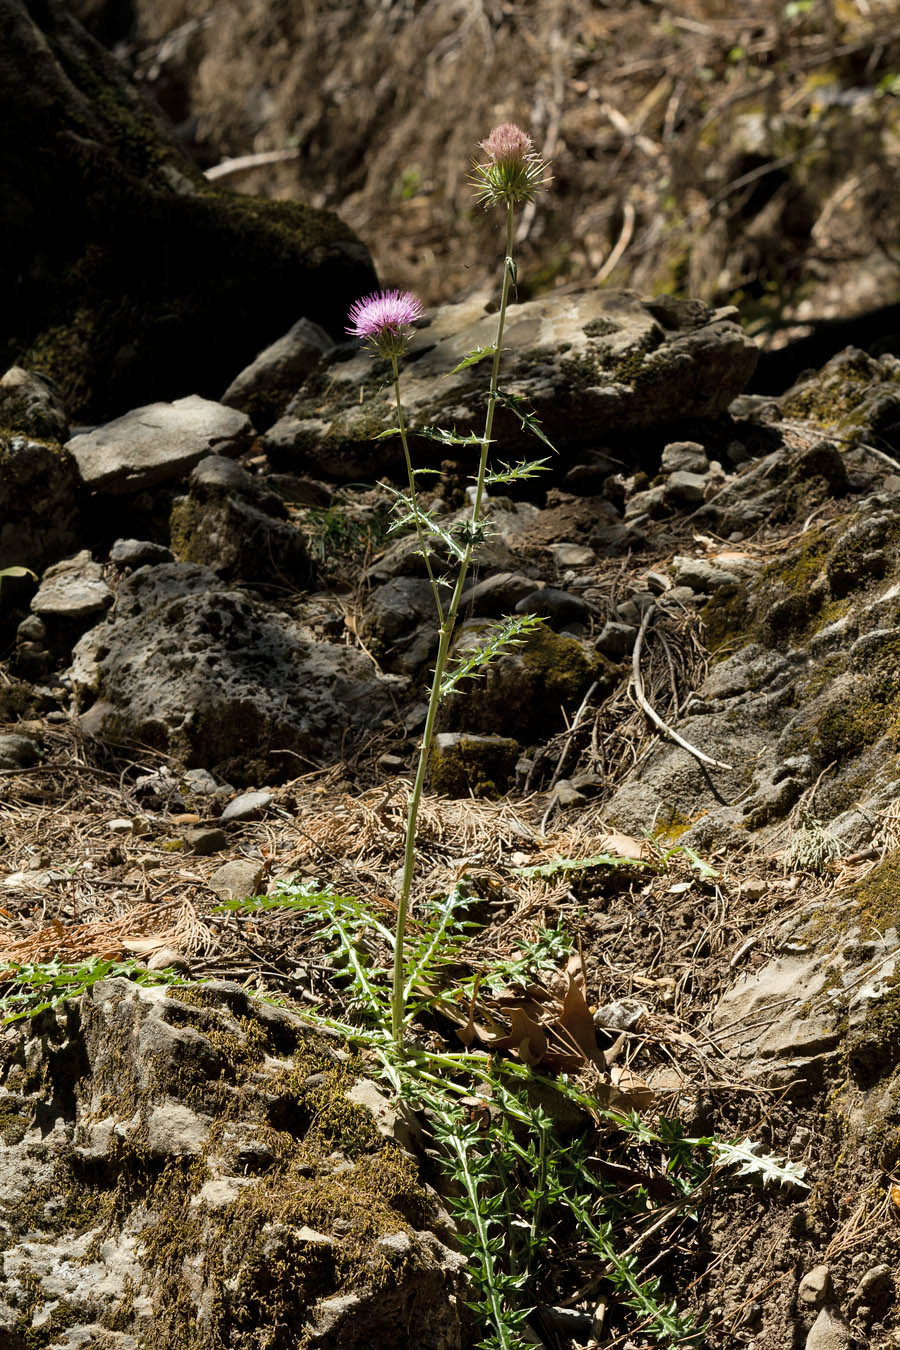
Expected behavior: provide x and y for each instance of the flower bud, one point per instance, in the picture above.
(513, 172)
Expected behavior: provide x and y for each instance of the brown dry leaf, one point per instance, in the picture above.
(576, 1021)
(528, 1037)
(639, 1093)
(144, 946)
(623, 844)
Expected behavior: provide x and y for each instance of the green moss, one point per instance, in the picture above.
(263, 1277)
(781, 602)
(60, 1317)
(15, 1118)
(877, 897)
(833, 396)
(187, 538)
(473, 765)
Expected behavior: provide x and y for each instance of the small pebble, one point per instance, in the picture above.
(248, 806)
(167, 957)
(237, 880)
(204, 840)
(815, 1288)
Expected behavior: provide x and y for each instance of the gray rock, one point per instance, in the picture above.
(17, 751)
(685, 489)
(158, 443)
(684, 456)
(875, 1287)
(572, 555)
(139, 553)
(231, 521)
(220, 679)
(650, 502)
(32, 404)
(154, 1071)
(496, 595)
(248, 806)
(830, 1331)
(236, 880)
(560, 608)
(596, 358)
(173, 1130)
(73, 590)
(39, 503)
(616, 640)
(763, 486)
(393, 611)
(264, 387)
(202, 782)
(205, 839)
(702, 575)
(815, 1288)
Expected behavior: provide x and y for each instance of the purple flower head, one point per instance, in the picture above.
(513, 172)
(382, 319)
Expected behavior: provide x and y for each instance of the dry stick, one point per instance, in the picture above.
(572, 729)
(638, 686)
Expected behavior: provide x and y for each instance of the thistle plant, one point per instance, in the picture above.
(509, 176)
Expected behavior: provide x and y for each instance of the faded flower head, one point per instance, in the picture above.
(507, 143)
(513, 171)
(383, 318)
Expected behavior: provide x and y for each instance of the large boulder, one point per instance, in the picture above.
(591, 366)
(124, 275)
(193, 1167)
(219, 679)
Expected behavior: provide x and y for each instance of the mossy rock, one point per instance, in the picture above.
(527, 692)
(276, 1194)
(143, 283)
(481, 766)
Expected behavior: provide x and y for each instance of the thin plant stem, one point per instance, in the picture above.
(447, 625)
(458, 1148)
(401, 423)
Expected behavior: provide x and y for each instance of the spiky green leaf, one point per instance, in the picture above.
(473, 357)
(527, 420)
(507, 634)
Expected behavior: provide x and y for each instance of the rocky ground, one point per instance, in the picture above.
(216, 682)
(214, 652)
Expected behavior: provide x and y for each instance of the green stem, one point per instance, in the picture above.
(447, 625)
(401, 423)
(476, 1218)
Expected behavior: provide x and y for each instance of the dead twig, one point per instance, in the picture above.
(637, 685)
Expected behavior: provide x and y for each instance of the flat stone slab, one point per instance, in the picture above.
(157, 443)
(581, 362)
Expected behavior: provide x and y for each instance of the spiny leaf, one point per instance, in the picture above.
(507, 634)
(744, 1157)
(509, 473)
(550, 869)
(527, 420)
(454, 437)
(473, 357)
